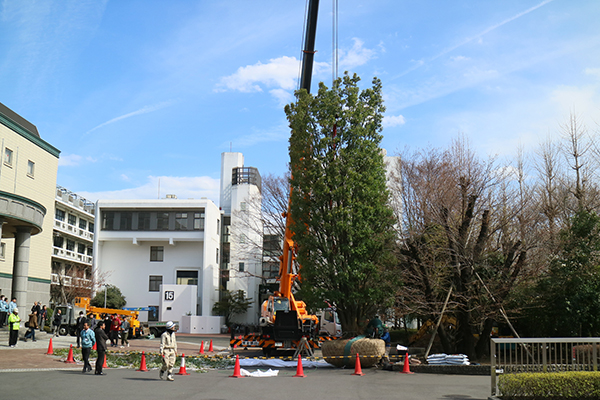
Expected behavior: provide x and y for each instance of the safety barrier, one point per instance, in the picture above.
(511, 355)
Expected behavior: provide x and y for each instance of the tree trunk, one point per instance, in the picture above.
(482, 348)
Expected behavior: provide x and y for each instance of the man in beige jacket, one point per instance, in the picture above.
(168, 351)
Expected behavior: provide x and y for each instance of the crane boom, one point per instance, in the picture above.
(308, 55)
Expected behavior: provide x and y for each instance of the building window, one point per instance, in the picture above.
(243, 206)
(70, 245)
(241, 267)
(187, 277)
(90, 251)
(199, 221)
(154, 283)
(81, 248)
(30, 168)
(59, 215)
(2, 251)
(8, 156)
(218, 228)
(108, 221)
(82, 223)
(91, 227)
(59, 241)
(217, 256)
(72, 219)
(181, 220)
(157, 253)
(162, 221)
(126, 218)
(144, 221)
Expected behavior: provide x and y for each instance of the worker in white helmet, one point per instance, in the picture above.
(168, 351)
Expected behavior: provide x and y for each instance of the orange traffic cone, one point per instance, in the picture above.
(357, 368)
(143, 363)
(182, 370)
(210, 348)
(93, 347)
(299, 369)
(50, 350)
(236, 369)
(201, 347)
(406, 369)
(69, 359)
(104, 364)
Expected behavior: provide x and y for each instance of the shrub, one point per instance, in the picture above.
(559, 385)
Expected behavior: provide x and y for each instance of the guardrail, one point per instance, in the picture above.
(542, 355)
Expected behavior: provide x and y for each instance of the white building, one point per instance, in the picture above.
(142, 245)
(242, 231)
(73, 240)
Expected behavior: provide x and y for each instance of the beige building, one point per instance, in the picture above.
(27, 192)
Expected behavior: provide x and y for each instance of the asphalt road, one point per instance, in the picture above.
(216, 384)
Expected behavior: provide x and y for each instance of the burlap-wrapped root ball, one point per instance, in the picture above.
(343, 352)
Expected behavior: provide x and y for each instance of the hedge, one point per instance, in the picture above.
(550, 386)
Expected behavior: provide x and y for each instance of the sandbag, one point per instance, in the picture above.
(342, 353)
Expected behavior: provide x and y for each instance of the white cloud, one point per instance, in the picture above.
(593, 71)
(356, 56)
(125, 178)
(279, 72)
(183, 187)
(143, 110)
(283, 96)
(392, 121)
(276, 134)
(74, 160)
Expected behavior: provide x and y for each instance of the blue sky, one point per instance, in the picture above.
(133, 92)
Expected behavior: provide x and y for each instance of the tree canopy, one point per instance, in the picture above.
(232, 304)
(342, 223)
(114, 298)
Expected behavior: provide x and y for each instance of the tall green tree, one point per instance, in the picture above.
(568, 296)
(114, 298)
(342, 222)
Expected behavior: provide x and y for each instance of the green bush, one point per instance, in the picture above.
(549, 386)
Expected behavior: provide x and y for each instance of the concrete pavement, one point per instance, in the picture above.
(318, 384)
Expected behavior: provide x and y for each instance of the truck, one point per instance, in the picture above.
(70, 312)
(285, 322)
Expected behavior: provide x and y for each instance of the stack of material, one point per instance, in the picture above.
(445, 359)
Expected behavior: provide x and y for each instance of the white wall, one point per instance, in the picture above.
(180, 301)
(229, 161)
(122, 258)
(246, 246)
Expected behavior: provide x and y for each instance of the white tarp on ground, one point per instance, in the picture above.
(258, 373)
(277, 363)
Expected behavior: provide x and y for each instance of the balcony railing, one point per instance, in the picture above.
(72, 255)
(70, 281)
(75, 200)
(74, 230)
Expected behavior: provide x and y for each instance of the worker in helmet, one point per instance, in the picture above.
(374, 328)
(168, 351)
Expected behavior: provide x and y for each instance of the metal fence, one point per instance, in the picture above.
(542, 355)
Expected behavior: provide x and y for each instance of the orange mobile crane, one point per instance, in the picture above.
(284, 320)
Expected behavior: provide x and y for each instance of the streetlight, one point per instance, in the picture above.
(105, 290)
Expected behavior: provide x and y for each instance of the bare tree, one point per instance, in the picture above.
(462, 227)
